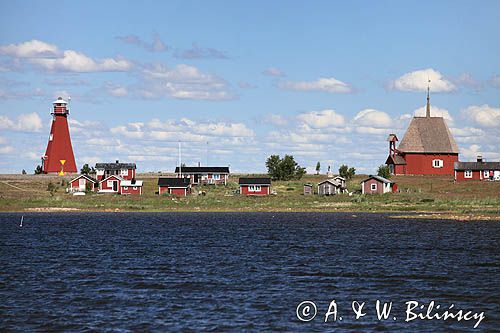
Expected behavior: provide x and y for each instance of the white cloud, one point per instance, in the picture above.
(435, 112)
(116, 90)
(198, 52)
(483, 115)
(31, 49)
(470, 153)
(373, 118)
(322, 119)
(73, 61)
(6, 149)
(131, 130)
(183, 82)
(330, 85)
(157, 45)
(275, 119)
(26, 122)
(418, 81)
(273, 71)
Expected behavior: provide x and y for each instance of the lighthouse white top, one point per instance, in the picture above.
(59, 101)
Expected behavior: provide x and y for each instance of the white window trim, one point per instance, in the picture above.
(135, 188)
(468, 174)
(125, 187)
(486, 173)
(51, 137)
(373, 187)
(124, 172)
(216, 176)
(439, 163)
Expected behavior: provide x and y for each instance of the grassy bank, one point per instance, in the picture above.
(437, 195)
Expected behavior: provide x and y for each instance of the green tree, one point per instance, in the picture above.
(346, 172)
(285, 168)
(85, 170)
(51, 188)
(318, 168)
(88, 187)
(384, 171)
(38, 170)
(23, 172)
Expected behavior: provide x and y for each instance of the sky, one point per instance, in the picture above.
(237, 81)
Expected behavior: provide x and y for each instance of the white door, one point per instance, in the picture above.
(81, 184)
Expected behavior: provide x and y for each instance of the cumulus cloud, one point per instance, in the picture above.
(25, 122)
(373, 118)
(483, 115)
(198, 52)
(157, 45)
(330, 85)
(435, 112)
(322, 119)
(418, 81)
(275, 119)
(31, 49)
(273, 71)
(183, 82)
(49, 57)
(116, 90)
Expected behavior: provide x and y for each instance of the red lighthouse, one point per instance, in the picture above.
(59, 154)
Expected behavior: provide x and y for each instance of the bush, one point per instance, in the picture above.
(51, 188)
(384, 171)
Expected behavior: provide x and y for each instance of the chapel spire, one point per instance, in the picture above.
(428, 108)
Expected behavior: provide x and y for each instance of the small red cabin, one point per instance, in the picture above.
(110, 184)
(131, 187)
(174, 186)
(255, 186)
(79, 184)
(377, 185)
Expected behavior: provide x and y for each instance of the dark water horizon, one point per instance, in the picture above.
(239, 272)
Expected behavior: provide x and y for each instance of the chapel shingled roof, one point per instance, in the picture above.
(428, 135)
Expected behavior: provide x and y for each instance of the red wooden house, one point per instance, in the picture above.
(110, 184)
(204, 175)
(479, 170)
(123, 170)
(377, 185)
(174, 186)
(428, 148)
(255, 186)
(79, 184)
(131, 187)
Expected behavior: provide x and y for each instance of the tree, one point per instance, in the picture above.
(384, 171)
(88, 187)
(23, 172)
(51, 188)
(285, 168)
(346, 172)
(318, 168)
(38, 170)
(85, 170)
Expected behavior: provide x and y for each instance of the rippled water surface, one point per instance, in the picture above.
(240, 272)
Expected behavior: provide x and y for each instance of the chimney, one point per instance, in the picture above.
(132, 181)
(199, 164)
(116, 161)
(479, 158)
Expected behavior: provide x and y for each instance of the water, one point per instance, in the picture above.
(240, 272)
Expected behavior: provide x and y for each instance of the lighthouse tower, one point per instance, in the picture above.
(59, 156)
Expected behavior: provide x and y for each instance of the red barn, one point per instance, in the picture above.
(428, 148)
(59, 155)
(204, 175)
(110, 184)
(79, 184)
(174, 186)
(131, 187)
(479, 170)
(377, 185)
(255, 186)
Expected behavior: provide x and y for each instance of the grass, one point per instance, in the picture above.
(431, 194)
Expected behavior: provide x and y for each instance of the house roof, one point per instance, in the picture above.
(115, 166)
(203, 169)
(254, 181)
(395, 159)
(428, 135)
(381, 179)
(477, 165)
(112, 176)
(93, 180)
(173, 182)
(130, 183)
(331, 181)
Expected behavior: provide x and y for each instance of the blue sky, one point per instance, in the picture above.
(239, 81)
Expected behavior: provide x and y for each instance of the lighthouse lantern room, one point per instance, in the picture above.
(59, 157)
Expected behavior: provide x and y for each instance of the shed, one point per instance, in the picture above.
(255, 186)
(174, 186)
(330, 187)
(308, 189)
(377, 185)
